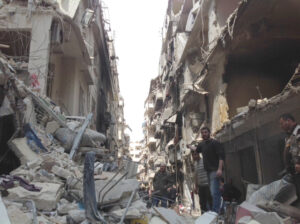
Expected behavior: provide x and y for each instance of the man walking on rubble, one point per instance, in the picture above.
(292, 148)
(161, 185)
(201, 183)
(213, 159)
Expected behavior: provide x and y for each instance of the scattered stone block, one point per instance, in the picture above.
(46, 199)
(58, 171)
(135, 211)
(52, 127)
(16, 216)
(3, 213)
(122, 190)
(170, 215)
(64, 207)
(22, 150)
(76, 216)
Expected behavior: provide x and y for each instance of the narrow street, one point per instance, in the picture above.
(88, 136)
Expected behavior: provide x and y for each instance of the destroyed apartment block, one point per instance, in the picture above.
(61, 116)
(232, 66)
(63, 146)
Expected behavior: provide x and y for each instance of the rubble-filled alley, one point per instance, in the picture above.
(221, 140)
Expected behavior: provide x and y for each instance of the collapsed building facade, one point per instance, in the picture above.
(63, 50)
(232, 66)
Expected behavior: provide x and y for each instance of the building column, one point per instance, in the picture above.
(40, 51)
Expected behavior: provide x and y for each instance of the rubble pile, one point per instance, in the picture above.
(65, 175)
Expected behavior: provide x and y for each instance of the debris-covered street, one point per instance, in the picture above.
(221, 129)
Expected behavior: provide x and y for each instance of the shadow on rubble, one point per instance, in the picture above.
(8, 160)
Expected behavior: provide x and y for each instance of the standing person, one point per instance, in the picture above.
(160, 185)
(292, 148)
(201, 183)
(213, 159)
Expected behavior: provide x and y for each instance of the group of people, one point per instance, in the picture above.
(209, 183)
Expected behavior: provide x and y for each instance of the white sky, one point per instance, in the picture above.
(137, 25)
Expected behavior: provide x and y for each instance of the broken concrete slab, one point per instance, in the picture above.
(89, 138)
(97, 151)
(247, 209)
(17, 216)
(46, 199)
(207, 218)
(52, 127)
(270, 217)
(122, 190)
(135, 211)
(63, 173)
(169, 215)
(269, 192)
(34, 164)
(77, 216)
(3, 213)
(22, 150)
(64, 207)
(157, 220)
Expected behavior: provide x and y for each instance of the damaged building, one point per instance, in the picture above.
(232, 66)
(64, 50)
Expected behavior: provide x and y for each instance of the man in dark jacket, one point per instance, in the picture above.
(213, 159)
(161, 185)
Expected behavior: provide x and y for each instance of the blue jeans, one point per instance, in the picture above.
(214, 186)
(156, 199)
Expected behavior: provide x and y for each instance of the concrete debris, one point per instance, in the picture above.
(17, 216)
(76, 216)
(3, 213)
(58, 171)
(46, 199)
(249, 210)
(89, 139)
(269, 193)
(207, 218)
(157, 220)
(22, 150)
(65, 206)
(120, 192)
(169, 215)
(137, 210)
(39, 136)
(285, 210)
(52, 127)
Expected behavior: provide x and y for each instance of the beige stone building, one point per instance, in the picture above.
(64, 50)
(232, 66)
